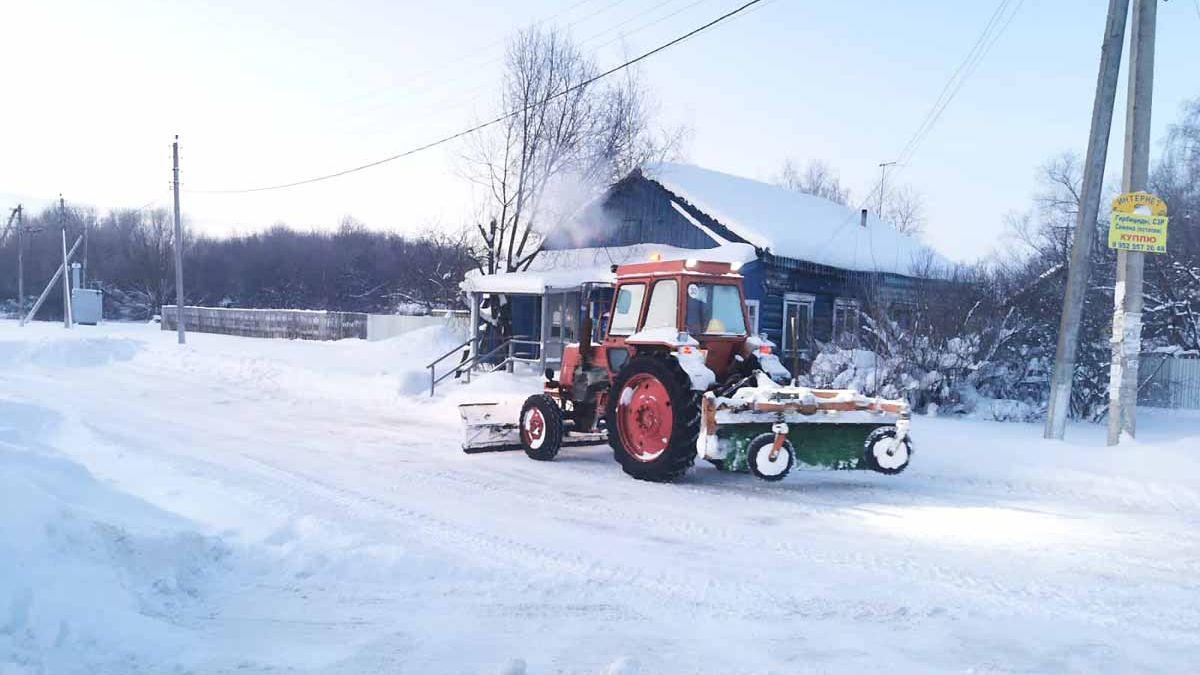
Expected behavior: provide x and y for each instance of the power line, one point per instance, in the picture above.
(966, 68)
(370, 112)
(470, 56)
(496, 120)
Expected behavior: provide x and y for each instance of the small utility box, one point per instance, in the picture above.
(87, 305)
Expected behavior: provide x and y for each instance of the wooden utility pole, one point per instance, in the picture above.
(66, 288)
(883, 167)
(20, 264)
(178, 245)
(1085, 222)
(66, 281)
(1127, 317)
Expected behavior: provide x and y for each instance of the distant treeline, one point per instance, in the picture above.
(129, 256)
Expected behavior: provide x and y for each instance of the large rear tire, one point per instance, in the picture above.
(653, 419)
(541, 427)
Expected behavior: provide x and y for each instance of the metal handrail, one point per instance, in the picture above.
(468, 364)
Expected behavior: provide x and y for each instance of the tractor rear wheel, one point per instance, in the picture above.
(541, 427)
(653, 419)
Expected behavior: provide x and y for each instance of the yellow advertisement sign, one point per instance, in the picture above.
(1139, 232)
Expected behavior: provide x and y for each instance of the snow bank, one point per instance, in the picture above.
(90, 579)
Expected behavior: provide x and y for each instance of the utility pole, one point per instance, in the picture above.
(1127, 318)
(20, 263)
(66, 279)
(1085, 222)
(883, 167)
(178, 245)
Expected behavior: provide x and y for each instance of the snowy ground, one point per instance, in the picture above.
(256, 505)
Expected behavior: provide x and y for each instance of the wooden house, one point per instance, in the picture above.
(810, 265)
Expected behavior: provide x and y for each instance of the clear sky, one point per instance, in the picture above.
(268, 91)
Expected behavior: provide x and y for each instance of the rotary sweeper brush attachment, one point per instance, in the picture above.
(768, 429)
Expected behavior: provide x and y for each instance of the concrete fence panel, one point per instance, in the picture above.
(269, 323)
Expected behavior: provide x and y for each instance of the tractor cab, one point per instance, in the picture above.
(655, 303)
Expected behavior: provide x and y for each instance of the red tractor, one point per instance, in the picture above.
(678, 376)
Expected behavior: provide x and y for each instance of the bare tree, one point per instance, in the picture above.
(816, 178)
(564, 140)
(904, 209)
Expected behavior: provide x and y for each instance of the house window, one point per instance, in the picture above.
(752, 312)
(904, 315)
(627, 309)
(797, 323)
(845, 322)
(664, 304)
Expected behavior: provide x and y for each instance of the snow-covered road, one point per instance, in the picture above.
(261, 505)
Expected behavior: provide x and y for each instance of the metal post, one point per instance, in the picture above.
(1127, 317)
(1085, 223)
(545, 333)
(473, 332)
(178, 245)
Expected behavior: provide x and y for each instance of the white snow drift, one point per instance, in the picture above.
(273, 506)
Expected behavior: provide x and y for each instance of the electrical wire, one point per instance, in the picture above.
(369, 112)
(966, 68)
(494, 121)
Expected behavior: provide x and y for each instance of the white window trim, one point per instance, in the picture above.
(842, 304)
(805, 299)
(757, 315)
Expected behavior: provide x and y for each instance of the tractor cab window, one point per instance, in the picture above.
(715, 309)
(626, 309)
(664, 303)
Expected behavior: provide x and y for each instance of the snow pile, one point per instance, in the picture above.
(798, 225)
(90, 579)
(49, 352)
(944, 381)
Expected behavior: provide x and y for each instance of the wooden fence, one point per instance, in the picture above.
(270, 323)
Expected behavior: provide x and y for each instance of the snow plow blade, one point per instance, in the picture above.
(489, 427)
(494, 427)
(826, 428)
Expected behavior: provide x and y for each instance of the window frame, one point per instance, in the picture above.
(752, 322)
(808, 301)
(741, 306)
(637, 311)
(840, 306)
(649, 300)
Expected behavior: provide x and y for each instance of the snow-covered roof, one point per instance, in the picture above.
(796, 225)
(573, 267)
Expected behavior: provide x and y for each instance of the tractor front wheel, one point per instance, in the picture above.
(762, 465)
(885, 453)
(541, 427)
(653, 419)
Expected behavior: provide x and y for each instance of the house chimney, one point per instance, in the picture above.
(864, 218)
